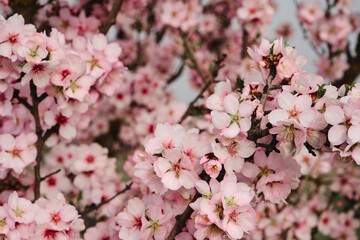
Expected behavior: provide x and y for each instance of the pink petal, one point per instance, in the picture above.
(220, 120)
(286, 100)
(231, 104)
(337, 134)
(232, 131)
(354, 133)
(278, 115)
(334, 115)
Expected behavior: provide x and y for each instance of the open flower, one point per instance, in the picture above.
(235, 118)
(175, 170)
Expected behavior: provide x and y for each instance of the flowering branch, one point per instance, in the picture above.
(40, 142)
(50, 174)
(214, 73)
(191, 105)
(22, 100)
(111, 19)
(305, 33)
(95, 207)
(176, 74)
(192, 57)
(181, 219)
(353, 72)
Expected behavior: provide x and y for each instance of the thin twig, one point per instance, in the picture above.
(43, 96)
(208, 83)
(50, 174)
(95, 207)
(305, 33)
(111, 19)
(22, 100)
(191, 105)
(192, 57)
(266, 93)
(49, 132)
(176, 74)
(40, 142)
(182, 218)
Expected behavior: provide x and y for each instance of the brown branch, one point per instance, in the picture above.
(111, 19)
(265, 95)
(191, 105)
(353, 72)
(49, 132)
(27, 8)
(305, 32)
(22, 100)
(40, 142)
(245, 44)
(190, 51)
(95, 207)
(49, 175)
(43, 96)
(176, 74)
(182, 218)
(214, 74)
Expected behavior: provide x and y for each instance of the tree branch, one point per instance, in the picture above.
(43, 96)
(305, 33)
(49, 175)
(176, 74)
(95, 207)
(22, 100)
(111, 19)
(191, 105)
(190, 51)
(353, 72)
(49, 132)
(182, 218)
(40, 142)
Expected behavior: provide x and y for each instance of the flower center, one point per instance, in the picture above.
(18, 212)
(137, 223)
(3, 223)
(51, 181)
(61, 119)
(55, 218)
(49, 234)
(37, 68)
(13, 38)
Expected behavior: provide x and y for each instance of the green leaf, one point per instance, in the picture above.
(158, 155)
(240, 84)
(321, 91)
(348, 88)
(22, 64)
(272, 50)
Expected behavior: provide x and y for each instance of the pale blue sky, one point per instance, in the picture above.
(285, 13)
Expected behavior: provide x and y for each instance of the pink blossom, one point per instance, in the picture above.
(175, 170)
(235, 118)
(132, 220)
(17, 153)
(56, 213)
(346, 124)
(39, 73)
(12, 32)
(21, 210)
(293, 108)
(166, 137)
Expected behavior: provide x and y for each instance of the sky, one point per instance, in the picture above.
(286, 12)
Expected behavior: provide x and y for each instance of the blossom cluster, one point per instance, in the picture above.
(337, 23)
(45, 219)
(265, 151)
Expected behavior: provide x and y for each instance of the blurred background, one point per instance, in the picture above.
(286, 12)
